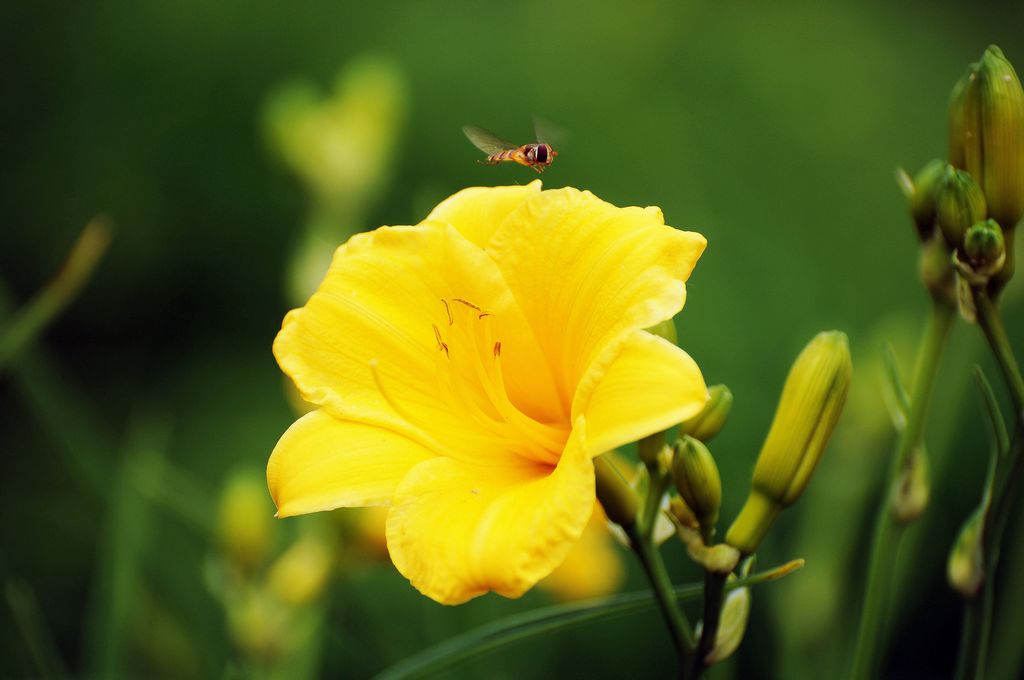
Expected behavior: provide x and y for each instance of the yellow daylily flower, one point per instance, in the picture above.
(468, 369)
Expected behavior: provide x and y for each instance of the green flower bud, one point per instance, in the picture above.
(983, 252)
(696, 478)
(986, 133)
(811, 402)
(959, 203)
(711, 419)
(966, 568)
(617, 497)
(920, 193)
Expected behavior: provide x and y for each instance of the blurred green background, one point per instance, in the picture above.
(195, 127)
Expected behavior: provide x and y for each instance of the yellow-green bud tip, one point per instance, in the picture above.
(711, 419)
(696, 477)
(959, 203)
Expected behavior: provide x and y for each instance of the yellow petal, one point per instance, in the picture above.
(323, 463)
(368, 344)
(642, 386)
(478, 211)
(585, 273)
(457, 531)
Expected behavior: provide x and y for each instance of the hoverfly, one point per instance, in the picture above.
(537, 155)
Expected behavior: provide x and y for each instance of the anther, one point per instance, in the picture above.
(468, 304)
(497, 349)
(448, 311)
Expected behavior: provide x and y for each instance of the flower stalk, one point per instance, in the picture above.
(888, 533)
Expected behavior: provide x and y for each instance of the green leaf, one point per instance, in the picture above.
(897, 398)
(995, 416)
(492, 636)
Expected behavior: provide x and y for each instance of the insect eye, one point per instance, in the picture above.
(542, 154)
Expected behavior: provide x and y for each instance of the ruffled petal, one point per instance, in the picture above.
(477, 212)
(321, 463)
(642, 386)
(370, 345)
(586, 273)
(457, 531)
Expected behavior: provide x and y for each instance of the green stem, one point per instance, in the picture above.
(714, 593)
(978, 613)
(648, 518)
(887, 533)
(661, 586)
(21, 330)
(991, 323)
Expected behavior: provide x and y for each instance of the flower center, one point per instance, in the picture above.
(470, 374)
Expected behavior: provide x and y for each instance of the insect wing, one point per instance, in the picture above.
(488, 142)
(547, 132)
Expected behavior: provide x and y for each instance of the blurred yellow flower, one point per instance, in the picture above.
(468, 369)
(593, 566)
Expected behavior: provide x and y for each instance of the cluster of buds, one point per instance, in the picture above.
(970, 206)
(266, 593)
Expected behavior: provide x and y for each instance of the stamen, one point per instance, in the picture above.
(493, 382)
(468, 304)
(448, 311)
(441, 345)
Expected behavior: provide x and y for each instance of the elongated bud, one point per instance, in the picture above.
(983, 252)
(733, 625)
(965, 568)
(959, 203)
(920, 193)
(986, 121)
(711, 419)
(617, 497)
(912, 489)
(811, 402)
(696, 478)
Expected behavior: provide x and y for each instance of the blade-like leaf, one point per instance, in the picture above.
(896, 395)
(995, 416)
(492, 636)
